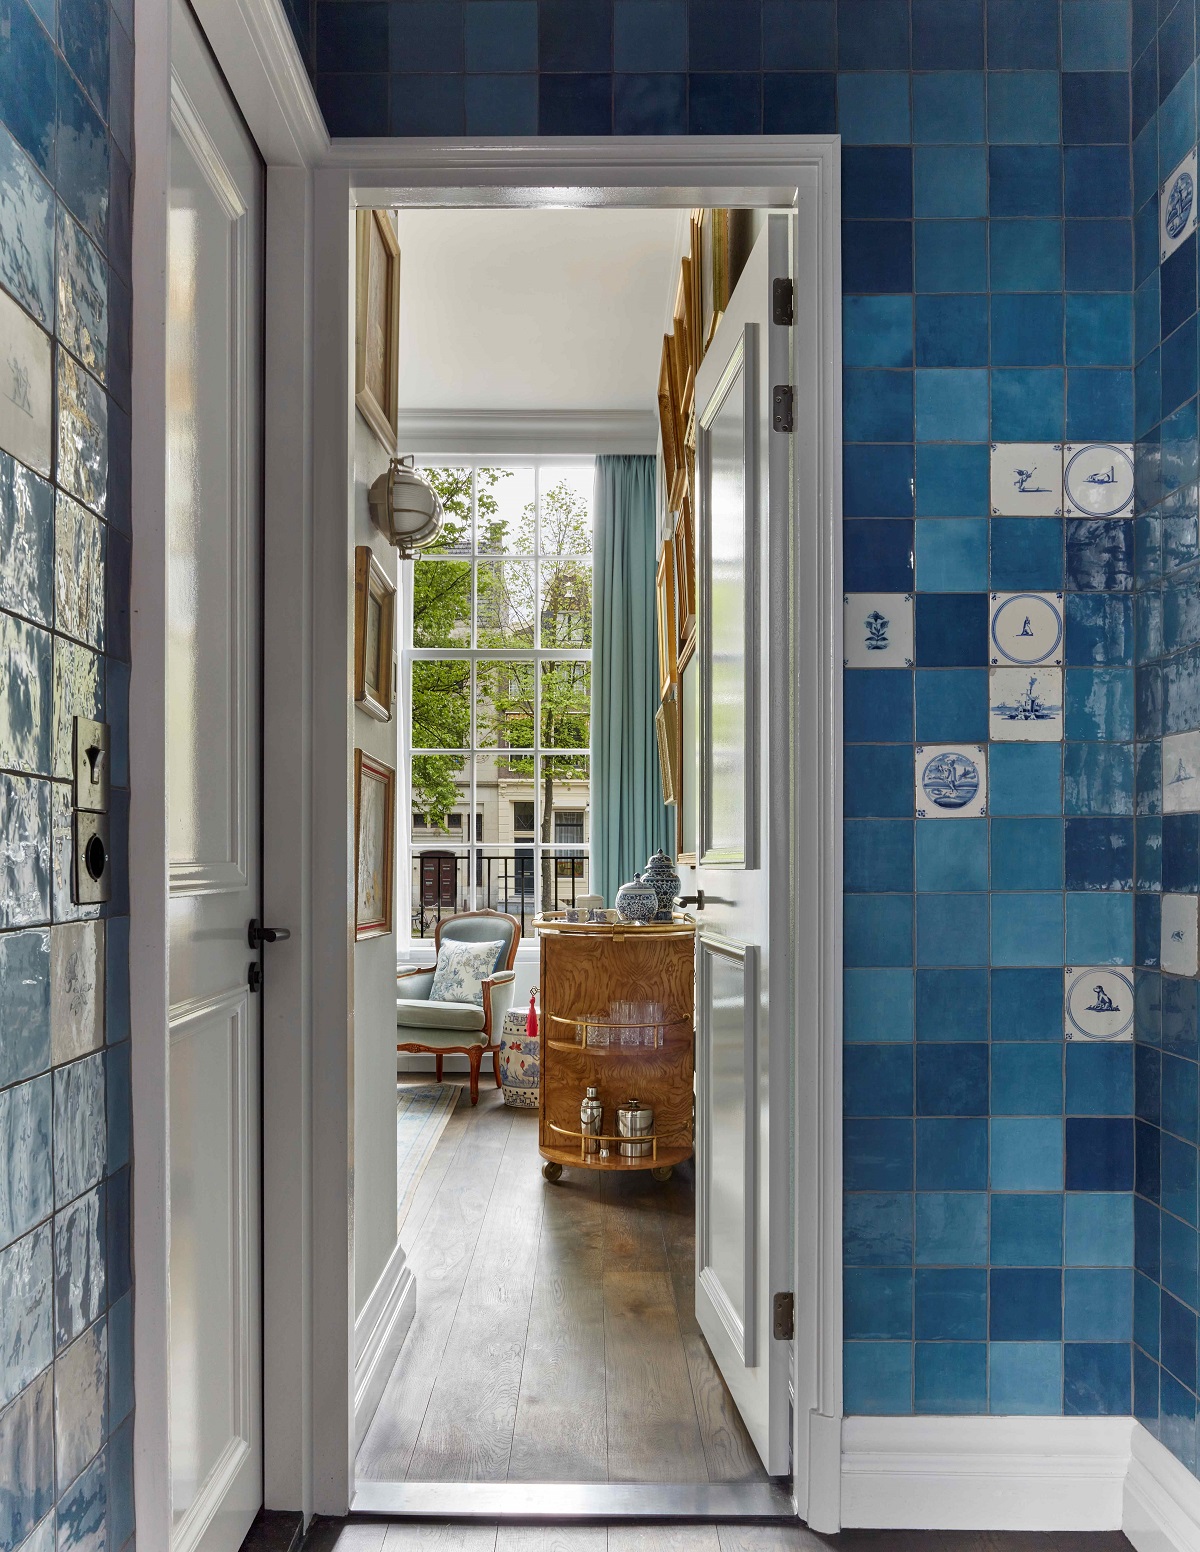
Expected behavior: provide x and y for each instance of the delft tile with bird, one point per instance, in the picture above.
(1098, 479)
(1181, 773)
(1098, 1002)
(951, 781)
(1178, 945)
(1177, 206)
(1026, 629)
(877, 630)
(1027, 479)
(1025, 705)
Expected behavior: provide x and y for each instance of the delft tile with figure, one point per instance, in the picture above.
(1098, 1002)
(24, 387)
(1177, 206)
(877, 630)
(951, 781)
(1025, 705)
(1178, 946)
(1026, 479)
(1181, 773)
(1026, 628)
(1098, 479)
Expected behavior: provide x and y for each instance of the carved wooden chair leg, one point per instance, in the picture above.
(475, 1057)
(438, 1065)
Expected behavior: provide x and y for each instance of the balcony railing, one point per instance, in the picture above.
(441, 886)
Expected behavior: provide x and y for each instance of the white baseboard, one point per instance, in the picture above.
(985, 1473)
(379, 1334)
(1162, 1499)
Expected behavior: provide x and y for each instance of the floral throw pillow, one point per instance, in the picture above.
(461, 970)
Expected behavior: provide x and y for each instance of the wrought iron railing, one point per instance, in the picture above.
(513, 884)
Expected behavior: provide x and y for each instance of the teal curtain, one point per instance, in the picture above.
(630, 821)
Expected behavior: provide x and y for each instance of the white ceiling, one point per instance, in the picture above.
(534, 310)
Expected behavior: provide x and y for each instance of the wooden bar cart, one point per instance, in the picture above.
(618, 1014)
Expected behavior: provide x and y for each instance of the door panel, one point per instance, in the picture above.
(214, 361)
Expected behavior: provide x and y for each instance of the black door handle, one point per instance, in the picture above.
(257, 935)
(697, 900)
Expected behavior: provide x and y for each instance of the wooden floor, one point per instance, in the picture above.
(554, 1338)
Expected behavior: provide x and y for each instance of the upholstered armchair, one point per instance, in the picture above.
(462, 1028)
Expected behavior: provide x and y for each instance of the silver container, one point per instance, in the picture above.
(635, 1120)
(591, 1120)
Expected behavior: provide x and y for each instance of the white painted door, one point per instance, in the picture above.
(743, 1007)
(214, 405)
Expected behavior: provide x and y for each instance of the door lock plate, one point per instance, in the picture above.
(90, 765)
(91, 873)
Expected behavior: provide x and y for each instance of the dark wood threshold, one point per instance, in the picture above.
(275, 1530)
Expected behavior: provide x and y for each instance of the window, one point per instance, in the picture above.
(497, 665)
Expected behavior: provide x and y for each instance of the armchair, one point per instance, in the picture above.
(461, 1028)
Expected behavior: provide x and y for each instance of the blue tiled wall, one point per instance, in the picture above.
(66, 1382)
(1167, 550)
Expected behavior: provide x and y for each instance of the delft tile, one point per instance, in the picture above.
(1026, 479)
(26, 1311)
(1098, 1002)
(24, 851)
(1178, 952)
(82, 296)
(25, 1166)
(82, 169)
(1181, 773)
(79, 1122)
(80, 1393)
(1025, 705)
(878, 630)
(1097, 479)
(951, 781)
(24, 1004)
(26, 231)
(79, 1275)
(79, 573)
(76, 989)
(63, 906)
(25, 407)
(82, 434)
(27, 1450)
(1177, 206)
(26, 542)
(78, 692)
(24, 699)
(1026, 628)
(83, 1511)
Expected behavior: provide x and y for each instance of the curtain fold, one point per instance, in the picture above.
(629, 818)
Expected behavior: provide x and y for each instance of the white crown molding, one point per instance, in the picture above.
(985, 1473)
(528, 431)
(1162, 1499)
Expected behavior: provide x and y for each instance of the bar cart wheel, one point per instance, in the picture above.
(551, 1171)
(663, 1172)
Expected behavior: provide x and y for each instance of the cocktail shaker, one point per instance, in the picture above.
(635, 1120)
(591, 1120)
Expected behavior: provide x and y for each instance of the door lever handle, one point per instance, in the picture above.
(697, 900)
(257, 934)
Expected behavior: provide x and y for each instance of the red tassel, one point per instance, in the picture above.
(531, 1024)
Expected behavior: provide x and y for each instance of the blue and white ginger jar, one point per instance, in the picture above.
(637, 901)
(660, 873)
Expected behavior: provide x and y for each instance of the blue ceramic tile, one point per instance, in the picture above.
(1147, 988)
(877, 1080)
(1147, 927)
(118, 1107)
(877, 1228)
(1095, 108)
(1148, 690)
(83, 37)
(800, 104)
(25, 696)
(877, 256)
(877, 706)
(26, 1311)
(952, 929)
(1027, 1153)
(1099, 405)
(80, 1402)
(1027, 553)
(877, 854)
(1146, 314)
(429, 104)
(82, 314)
(1177, 121)
(1027, 405)
(947, 40)
(1179, 1095)
(24, 1004)
(26, 232)
(1023, 107)
(952, 1228)
(948, 107)
(877, 1302)
(1145, 1390)
(1148, 863)
(120, 210)
(582, 105)
(500, 36)
(795, 36)
(1022, 34)
(950, 1377)
(1027, 853)
(952, 705)
(1146, 1299)
(720, 37)
(1098, 255)
(951, 331)
(950, 1305)
(877, 181)
(952, 856)
(82, 166)
(1177, 1177)
(950, 630)
(79, 1272)
(950, 181)
(1099, 555)
(1180, 852)
(1099, 703)
(1099, 929)
(952, 406)
(877, 1155)
(24, 851)
(1145, 163)
(1026, 1228)
(1095, 35)
(1178, 1259)
(28, 83)
(877, 331)
(952, 1079)
(27, 1449)
(1178, 1341)
(952, 1005)
(1181, 691)
(951, 1155)
(82, 1510)
(873, 107)
(649, 104)
(1098, 1229)
(1146, 1255)
(120, 86)
(1025, 1305)
(877, 556)
(1176, 1423)
(878, 929)
(26, 1190)
(1177, 286)
(1099, 854)
(82, 435)
(120, 1361)
(351, 36)
(79, 1125)
(1027, 929)
(1096, 1378)
(1176, 50)
(878, 781)
(120, 1509)
(1027, 330)
(1025, 1378)
(1025, 181)
(1026, 1080)
(952, 480)
(26, 541)
(1099, 1153)
(877, 406)
(1026, 255)
(1147, 393)
(119, 1230)
(876, 1005)
(878, 1377)
(1025, 779)
(1099, 1079)
(78, 691)
(951, 256)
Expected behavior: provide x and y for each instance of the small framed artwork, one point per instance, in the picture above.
(667, 646)
(374, 829)
(666, 726)
(684, 552)
(377, 325)
(374, 632)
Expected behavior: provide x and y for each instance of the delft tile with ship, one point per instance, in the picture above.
(1098, 1002)
(1178, 944)
(1026, 628)
(24, 387)
(1025, 705)
(1181, 773)
(1026, 479)
(1098, 479)
(951, 781)
(1177, 206)
(877, 630)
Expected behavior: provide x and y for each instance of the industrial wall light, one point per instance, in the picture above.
(405, 507)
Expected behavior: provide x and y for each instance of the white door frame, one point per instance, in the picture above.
(313, 188)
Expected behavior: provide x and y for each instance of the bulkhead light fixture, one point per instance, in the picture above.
(405, 508)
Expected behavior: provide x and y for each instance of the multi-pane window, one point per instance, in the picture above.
(498, 669)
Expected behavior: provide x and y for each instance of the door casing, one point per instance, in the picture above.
(313, 189)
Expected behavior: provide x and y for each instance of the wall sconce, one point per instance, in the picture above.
(405, 508)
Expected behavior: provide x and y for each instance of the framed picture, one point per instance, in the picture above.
(687, 802)
(665, 589)
(377, 325)
(374, 633)
(666, 726)
(684, 553)
(374, 829)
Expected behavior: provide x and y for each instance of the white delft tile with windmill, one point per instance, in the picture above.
(1181, 773)
(1025, 705)
(951, 781)
(1177, 206)
(1026, 628)
(1027, 479)
(1098, 479)
(1178, 947)
(877, 630)
(1098, 1002)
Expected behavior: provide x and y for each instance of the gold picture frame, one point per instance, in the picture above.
(683, 551)
(664, 586)
(377, 325)
(374, 636)
(666, 726)
(374, 843)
